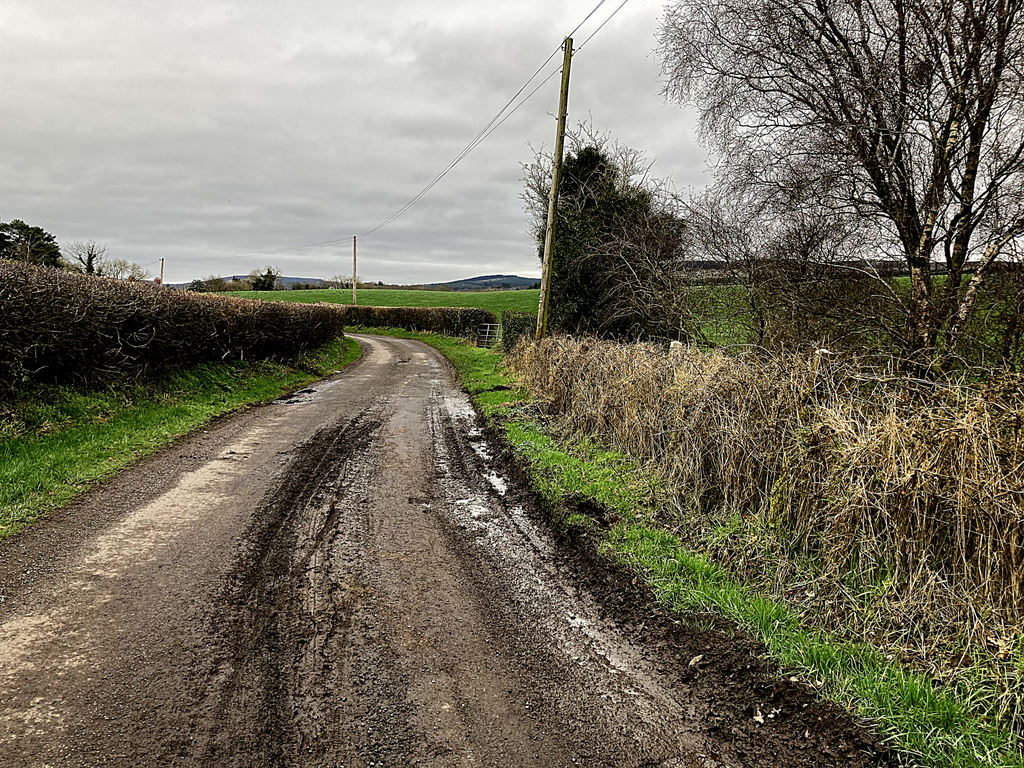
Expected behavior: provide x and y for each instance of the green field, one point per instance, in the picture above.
(495, 301)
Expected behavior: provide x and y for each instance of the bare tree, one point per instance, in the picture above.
(121, 269)
(901, 116)
(339, 281)
(86, 256)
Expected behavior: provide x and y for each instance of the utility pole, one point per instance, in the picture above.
(556, 178)
(353, 270)
(161, 273)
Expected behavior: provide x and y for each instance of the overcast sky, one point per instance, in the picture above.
(221, 135)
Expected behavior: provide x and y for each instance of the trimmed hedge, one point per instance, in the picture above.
(448, 321)
(514, 326)
(66, 328)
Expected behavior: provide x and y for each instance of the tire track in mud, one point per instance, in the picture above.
(675, 696)
(283, 608)
(628, 715)
(349, 581)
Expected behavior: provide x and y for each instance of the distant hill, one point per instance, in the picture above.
(288, 282)
(490, 282)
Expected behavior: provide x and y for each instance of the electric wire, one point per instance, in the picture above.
(485, 132)
(602, 26)
(588, 17)
(493, 124)
(499, 118)
(480, 138)
(476, 140)
(557, 71)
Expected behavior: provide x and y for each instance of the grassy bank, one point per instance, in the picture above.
(928, 723)
(56, 442)
(495, 301)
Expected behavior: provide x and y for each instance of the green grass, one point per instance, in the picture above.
(55, 443)
(495, 301)
(928, 726)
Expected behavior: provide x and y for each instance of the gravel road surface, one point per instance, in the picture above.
(349, 577)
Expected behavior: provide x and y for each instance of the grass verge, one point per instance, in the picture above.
(926, 725)
(56, 442)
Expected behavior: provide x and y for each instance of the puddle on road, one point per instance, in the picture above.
(462, 413)
(311, 394)
(497, 482)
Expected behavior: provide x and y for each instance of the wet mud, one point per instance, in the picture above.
(357, 576)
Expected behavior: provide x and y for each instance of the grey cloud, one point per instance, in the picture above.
(221, 135)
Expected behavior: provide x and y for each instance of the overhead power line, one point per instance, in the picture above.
(602, 26)
(479, 139)
(547, 79)
(499, 118)
(493, 124)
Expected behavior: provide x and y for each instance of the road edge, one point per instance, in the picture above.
(897, 704)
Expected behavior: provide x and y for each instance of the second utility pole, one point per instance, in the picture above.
(353, 270)
(556, 178)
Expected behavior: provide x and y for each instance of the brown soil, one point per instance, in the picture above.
(349, 577)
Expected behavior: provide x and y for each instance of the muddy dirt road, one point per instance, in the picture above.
(344, 578)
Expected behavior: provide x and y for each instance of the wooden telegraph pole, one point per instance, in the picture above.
(161, 273)
(353, 270)
(556, 178)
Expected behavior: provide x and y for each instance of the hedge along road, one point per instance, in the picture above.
(343, 578)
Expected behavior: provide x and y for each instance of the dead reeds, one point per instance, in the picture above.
(889, 507)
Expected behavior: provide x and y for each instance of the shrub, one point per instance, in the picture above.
(514, 326)
(449, 321)
(66, 328)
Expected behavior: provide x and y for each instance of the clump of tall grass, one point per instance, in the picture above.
(888, 508)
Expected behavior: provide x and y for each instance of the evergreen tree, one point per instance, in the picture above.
(22, 242)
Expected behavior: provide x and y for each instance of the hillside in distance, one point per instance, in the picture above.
(490, 282)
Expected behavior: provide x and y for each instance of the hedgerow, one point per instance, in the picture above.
(888, 509)
(448, 321)
(515, 326)
(64, 328)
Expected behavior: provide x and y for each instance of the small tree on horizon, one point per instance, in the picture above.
(121, 269)
(265, 281)
(85, 256)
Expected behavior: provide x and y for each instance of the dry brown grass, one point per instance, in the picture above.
(888, 508)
